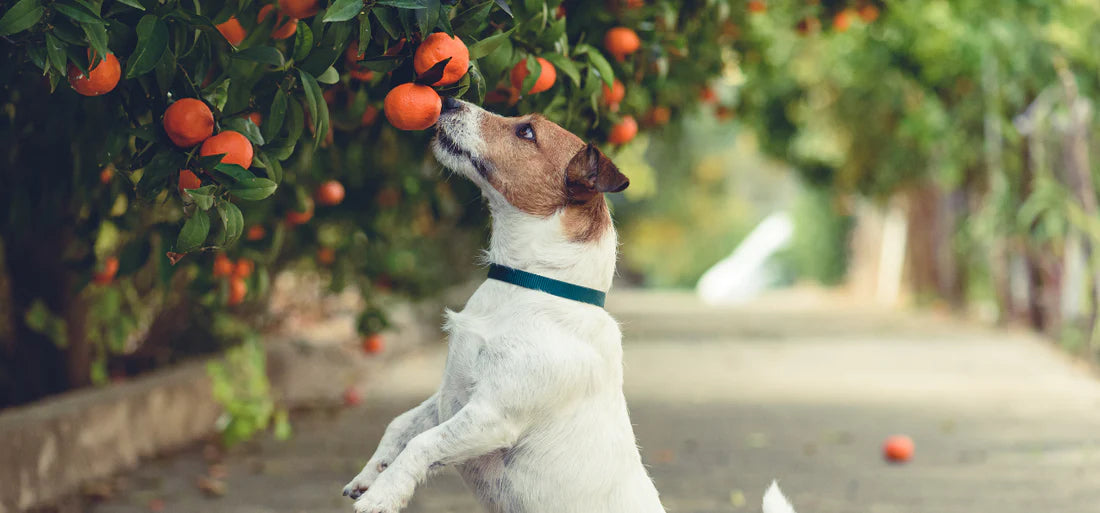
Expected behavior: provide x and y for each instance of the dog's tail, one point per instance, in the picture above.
(775, 502)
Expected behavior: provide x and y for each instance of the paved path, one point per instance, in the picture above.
(802, 388)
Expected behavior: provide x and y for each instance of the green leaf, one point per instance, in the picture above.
(405, 4)
(262, 54)
(203, 196)
(234, 172)
(427, 18)
(232, 221)
(330, 76)
(272, 167)
(245, 127)
(193, 233)
(364, 32)
(303, 41)
(253, 189)
(534, 71)
(163, 167)
(97, 37)
(388, 19)
(602, 66)
(342, 10)
(133, 3)
(318, 109)
(77, 12)
(275, 115)
(504, 7)
(218, 94)
(152, 42)
(488, 45)
(22, 16)
(470, 21)
(166, 71)
(564, 65)
(55, 51)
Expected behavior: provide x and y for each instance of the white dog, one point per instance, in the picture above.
(531, 408)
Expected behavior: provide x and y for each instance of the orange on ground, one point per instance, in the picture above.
(106, 274)
(330, 193)
(547, 75)
(614, 94)
(100, 79)
(326, 256)
(188, 122)
(299, 8)
(283, 31)
(757, 6)
(868, 13)
(361, 74)
(898, 448)
(223, 266)
(623, 131)
(188, 180)
(373, 343)
(255, 232)
(236, 147)
(842, 20)
(232, 31)
(243, 268)
(106, 174)
(256, 118)
(438, 47)
(621, 41)
(237, 290)
(369, 115)
(412, 106)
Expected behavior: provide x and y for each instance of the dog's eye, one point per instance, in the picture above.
(525, 131)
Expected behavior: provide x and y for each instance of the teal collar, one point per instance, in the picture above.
(548, 285)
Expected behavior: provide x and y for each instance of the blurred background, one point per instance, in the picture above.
(854, 227)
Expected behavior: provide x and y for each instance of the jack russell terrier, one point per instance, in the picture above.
(531, 408)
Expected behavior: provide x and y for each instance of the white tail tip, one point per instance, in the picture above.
(775, 502)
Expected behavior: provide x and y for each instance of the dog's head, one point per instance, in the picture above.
(530, 163)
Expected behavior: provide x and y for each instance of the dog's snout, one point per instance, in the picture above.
(450, 104)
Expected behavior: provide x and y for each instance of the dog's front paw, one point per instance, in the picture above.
(378, 501)
(364, 480)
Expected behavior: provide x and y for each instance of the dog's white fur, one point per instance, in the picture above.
(531, 408)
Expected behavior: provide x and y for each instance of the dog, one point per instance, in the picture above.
(531, 410)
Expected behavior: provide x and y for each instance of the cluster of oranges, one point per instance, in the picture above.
(414, 106)
(236, 272)
(286, 21)
(189, 122)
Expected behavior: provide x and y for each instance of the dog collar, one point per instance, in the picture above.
(548, 285)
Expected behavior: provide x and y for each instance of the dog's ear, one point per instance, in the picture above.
(590, 172)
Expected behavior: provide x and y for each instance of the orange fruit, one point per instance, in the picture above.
(707, 95)
(546, 79)
(438, 47)
(614, 94)
(633, 4)
(236, 147)
(295, 217)
(237, 290)
(369, 115)
(299, 8)
(868, 13)
(223, 266)
(412, 106)
(373, 343)
(256, 118)
(757, 6)
(842, 20)
(723, 113)
(255, 232)
(243, 268)
(395, 49)
(361, 74)
(188, 122)
(623, 131)
(326, 256)
(658, 115)
(188, 180)
(621, 41)
(232, 31)
(106, 175)
(330, 193)
(560, 12)
(100, 79)
(898, 448)
(106, 274)
(288, 27)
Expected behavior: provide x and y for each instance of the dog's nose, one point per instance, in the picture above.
(450, 104)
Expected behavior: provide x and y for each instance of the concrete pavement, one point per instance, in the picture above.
(799, 386)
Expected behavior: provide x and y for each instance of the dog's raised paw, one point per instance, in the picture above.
(374, 503)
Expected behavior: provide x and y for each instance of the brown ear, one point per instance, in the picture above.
(590, 172)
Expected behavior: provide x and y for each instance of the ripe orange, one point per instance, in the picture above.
(330, 193)
(188, 180)
(868, 13)
(237, 290)
(236, 147)
(633, 4)
(255, 232)
(623, 131)
(100, 79)
(243, 268)
(547, 76)
(621, 41)
(842, 20)
(369, 115)
(299, 8)
(223, 266)
(232, 31)
(412, 106)
(106, 174)
(560, 12)
(326, 256)
(106, 274)
(295, 217)
(361, 74)
(438, 47)
(898, 448)
(757, 6)
(288, 27)
(373, 343)
(256, 118)
(707, 95)
(395, 49)
(614, 94)
(658, 115)
(188, 122)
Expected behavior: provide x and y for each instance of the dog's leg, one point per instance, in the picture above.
(477, 429)
(402, 429)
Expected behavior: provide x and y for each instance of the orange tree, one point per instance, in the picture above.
(163, 159)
